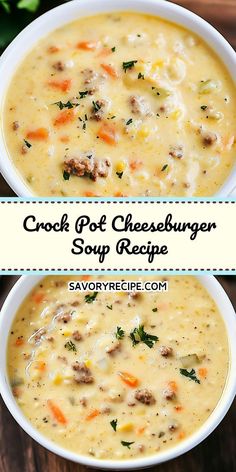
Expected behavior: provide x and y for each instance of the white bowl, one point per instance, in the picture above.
(15, 298)
(68, 12)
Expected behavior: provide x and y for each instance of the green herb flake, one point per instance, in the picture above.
(154, 310)
(83, 94)
(191, 375)
(139, 335)
(27, 144)
(140, 76)
(164, 167)
(66, 175)
(109, 307)
(96, 106)
(113, 49)
(128, 65)
(113, 424)
(68, 104)
(119, 174)
(204, 107)
(129, 122)
(119, 333)
(90, 298)
(127, 444)
(70, 346)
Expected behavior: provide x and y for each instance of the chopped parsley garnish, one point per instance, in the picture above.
(83, 94)
(119, 333)
(109, 307)
(96, 106)
(68, 104)
(128, 65)
(27, 143)
(164, 167)
(191, 375)
(70, 346)
(113, 424)
(154, 310)
(129, 122)
(140, 76)
(138, 335)
(113, 49)
(66, 175)
(203, 107)
(127, 444)
(90, 298)
(120, 174)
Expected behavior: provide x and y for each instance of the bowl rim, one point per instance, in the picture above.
(59, 16)
(15, 297)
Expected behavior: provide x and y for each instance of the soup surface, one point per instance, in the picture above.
(121, 104)
(118, 375)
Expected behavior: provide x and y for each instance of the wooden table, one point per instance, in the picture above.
(19, 453)
(220, 13)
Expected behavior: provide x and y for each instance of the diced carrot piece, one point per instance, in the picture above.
(135, 165)
(141, 430)
(173, 385)
(110, 70)
(39, 134)
(19, 342)
(62, 85)
(88, 193)
(64, 139)
(86, 277)
(181, 435)
(104, 52)
(108, 133)
(179, 408)
(87, 45)
(38, 297)
(92, 415)
(53, 49)
(41, 366)
(119, 194)
(128, 379)
(64, 117)
(56, 412)
(202, 371)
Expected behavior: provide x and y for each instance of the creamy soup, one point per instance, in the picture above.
(121, 104)
(118, 375)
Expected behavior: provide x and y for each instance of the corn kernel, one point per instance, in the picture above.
(67, 333)
(120, 166)
(175, 114)
(143, 132)
(88, 363)
(126, 427)
(157, 64)
(57, 379)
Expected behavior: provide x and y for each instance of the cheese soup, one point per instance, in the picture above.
(121, 104)
(118, 375)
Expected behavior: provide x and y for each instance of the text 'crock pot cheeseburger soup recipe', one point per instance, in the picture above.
(118, 375)
(121, 104)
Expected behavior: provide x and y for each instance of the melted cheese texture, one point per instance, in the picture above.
(76, 382)
(155, 116)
